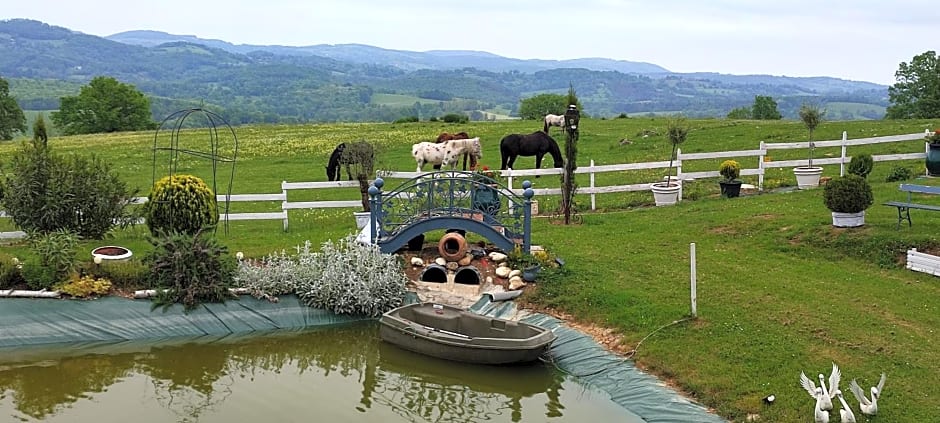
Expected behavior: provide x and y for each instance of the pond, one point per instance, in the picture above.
(334, 374)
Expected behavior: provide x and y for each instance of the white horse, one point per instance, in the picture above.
(428, 152)
(456, 148)
(554, 120)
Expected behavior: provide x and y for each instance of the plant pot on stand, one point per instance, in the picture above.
(362, 219)
(848, 220)
(807, 176)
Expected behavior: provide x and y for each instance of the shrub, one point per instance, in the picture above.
(899, 173)
(11, 274)
(455, 118)
(181, 203)
(861, 165)
(45, 192)
(352, 278)
(56, 251)
(407, 119)
(131, 274)
(38, 276)
(730, 170)
(85, 286)
(189, 269)
(848, 194)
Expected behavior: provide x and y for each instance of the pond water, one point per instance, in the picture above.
(336, 374)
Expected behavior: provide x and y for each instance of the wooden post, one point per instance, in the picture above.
(845, 137)
(593, 194)
(760, 167)
(693, 279)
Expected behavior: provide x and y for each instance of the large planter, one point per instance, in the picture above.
(110, 253)
(933, 159)
(848, 220)
(665, 195)
(730, 189)
(362, 219)
(807, 177)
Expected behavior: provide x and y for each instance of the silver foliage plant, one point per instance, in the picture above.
(345, 277)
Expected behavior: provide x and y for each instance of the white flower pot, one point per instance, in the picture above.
(848, 220)
(807, 177)
(665, 195)
(362, 219)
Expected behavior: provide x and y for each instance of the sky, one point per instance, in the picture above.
(862, 40)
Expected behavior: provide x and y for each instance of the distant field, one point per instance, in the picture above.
(853, 111)
(399, 100)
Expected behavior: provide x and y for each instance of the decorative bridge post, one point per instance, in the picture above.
(375, 206)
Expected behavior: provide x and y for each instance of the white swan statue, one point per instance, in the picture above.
(846, 412)
(821, 415)
(868, 407)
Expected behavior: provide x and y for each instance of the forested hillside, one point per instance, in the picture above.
(282, 84)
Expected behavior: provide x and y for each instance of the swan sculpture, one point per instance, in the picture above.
(827, 393)
(868, 407)
(846, 412)
(819, 413)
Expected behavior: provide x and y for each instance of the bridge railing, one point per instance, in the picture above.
(446, 194)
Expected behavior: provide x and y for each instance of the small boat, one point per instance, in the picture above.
(455, 334)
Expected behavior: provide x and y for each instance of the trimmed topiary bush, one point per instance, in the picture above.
(730, 170)
(848, 194)
(861, 165)
(181, 204)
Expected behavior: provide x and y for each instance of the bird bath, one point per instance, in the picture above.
(111, 253)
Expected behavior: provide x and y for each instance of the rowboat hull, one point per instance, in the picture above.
(454, 334)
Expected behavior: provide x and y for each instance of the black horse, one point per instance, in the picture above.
(534, 144)
(343, 156)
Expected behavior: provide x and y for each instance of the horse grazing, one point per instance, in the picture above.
(343, 156)
(447, 136)
(554, 120)
(466, 147)
(535, 144)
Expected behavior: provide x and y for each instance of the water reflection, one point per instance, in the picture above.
(338, 373)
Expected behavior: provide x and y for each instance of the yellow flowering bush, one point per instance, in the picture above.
(85, 286)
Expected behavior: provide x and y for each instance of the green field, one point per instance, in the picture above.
(399, 100)
(780, 290)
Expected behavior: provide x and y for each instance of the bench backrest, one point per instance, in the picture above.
(920, 189)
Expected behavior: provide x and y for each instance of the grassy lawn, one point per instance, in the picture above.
(779, 289)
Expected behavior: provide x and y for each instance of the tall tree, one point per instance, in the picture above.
(765, 108)
(916, 95)
(538, 106)
(12, 119)
(104, 105)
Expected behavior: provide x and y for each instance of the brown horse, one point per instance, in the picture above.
(446, 136)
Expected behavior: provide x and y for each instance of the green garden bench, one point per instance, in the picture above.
(904, 207)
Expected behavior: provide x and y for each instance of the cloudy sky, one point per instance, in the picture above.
(862, 40)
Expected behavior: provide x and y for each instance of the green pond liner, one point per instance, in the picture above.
(35, 327)
(26, 322)
(578, 354)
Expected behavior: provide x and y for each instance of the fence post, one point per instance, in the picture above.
(760, 167)
(694, 280)
(284, 204)
(679, 171)
(593, 194)
(845, 138)
(509, 178)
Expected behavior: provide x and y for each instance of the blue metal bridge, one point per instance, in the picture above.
(450, 200)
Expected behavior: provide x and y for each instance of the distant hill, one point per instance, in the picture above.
(250, 83)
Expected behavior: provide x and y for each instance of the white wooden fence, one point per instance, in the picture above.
(921, 262)
(760, 155)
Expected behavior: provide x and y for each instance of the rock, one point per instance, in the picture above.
(497, 257)
(466, 260)
(515, 272)
(440, 261)
(452, 266)
(416, 261)
(515, 283)
(489, 280)
(503, 272)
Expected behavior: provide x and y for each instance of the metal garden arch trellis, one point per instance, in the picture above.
(183, 128)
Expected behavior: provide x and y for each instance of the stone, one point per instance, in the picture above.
(416, 261)
(515, 272)
(452, 266)
(515, 283)
(489, 280)
(497, 257)
(503, 272)
(440, 261)
(466, 260)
